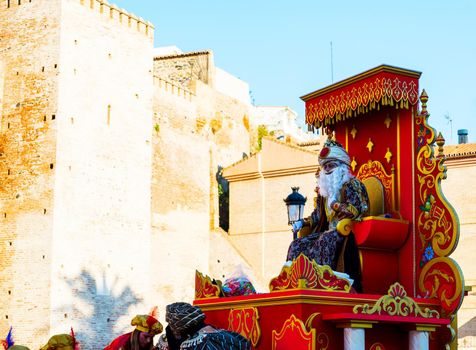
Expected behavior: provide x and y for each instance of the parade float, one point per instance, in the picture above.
(412, 289)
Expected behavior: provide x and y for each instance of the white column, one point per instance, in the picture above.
(418, 340)
(354, 339)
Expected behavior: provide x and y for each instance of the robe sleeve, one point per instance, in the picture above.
(354, 202)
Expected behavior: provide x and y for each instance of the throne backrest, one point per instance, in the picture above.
(376, 197)
(380, 187)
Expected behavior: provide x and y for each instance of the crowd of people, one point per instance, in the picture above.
(186, 330)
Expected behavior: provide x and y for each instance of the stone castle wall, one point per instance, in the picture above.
(29, 57)
(196, 130)
(76, 169)
(108, 167)
(101, 268)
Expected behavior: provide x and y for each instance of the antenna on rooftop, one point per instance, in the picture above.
(450, 121)
(332, 67)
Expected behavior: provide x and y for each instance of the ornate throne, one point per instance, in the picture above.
(412, 288)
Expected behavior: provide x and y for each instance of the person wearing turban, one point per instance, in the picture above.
(187, 330)
(142, 337)
(339, 195)
(62, 342)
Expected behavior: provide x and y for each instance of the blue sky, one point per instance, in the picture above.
(282, 47)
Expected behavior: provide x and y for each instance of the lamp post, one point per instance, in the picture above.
(295, 205)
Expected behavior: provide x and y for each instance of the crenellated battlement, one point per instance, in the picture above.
(104, 8)
(13, 3)
(120, 15)
(173, 88)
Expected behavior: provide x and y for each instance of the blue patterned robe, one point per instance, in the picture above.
(323, 241)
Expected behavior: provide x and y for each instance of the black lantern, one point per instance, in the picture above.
(295, 204)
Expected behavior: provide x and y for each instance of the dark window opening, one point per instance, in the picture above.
(223, 200)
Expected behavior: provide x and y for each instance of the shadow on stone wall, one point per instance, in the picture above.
(98, 309)
(468, 328)
(466, 334)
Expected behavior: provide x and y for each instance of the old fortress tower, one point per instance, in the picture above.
(108, 163)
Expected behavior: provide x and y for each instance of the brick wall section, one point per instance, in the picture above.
(75, 167)
(101, 237)
(258, 220)
(195, 131)
(29, 56)
(179, 197)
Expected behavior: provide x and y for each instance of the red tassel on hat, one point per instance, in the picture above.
(152, 318)
(76, 345)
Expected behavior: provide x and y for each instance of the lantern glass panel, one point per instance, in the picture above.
(294, 212)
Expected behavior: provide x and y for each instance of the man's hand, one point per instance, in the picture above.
(297, 226)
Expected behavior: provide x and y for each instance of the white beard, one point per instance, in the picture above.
(330, 185)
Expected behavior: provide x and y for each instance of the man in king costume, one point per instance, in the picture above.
(339, 195)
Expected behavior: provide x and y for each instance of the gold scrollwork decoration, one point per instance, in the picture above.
(322, 340)
(376, 169)
(396, 303)
(442, 279)
(246, 322)
(437, 226)
(293, 333)
(205, 287)
(307, 274)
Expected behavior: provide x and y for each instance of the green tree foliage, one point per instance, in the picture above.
(262, 132)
